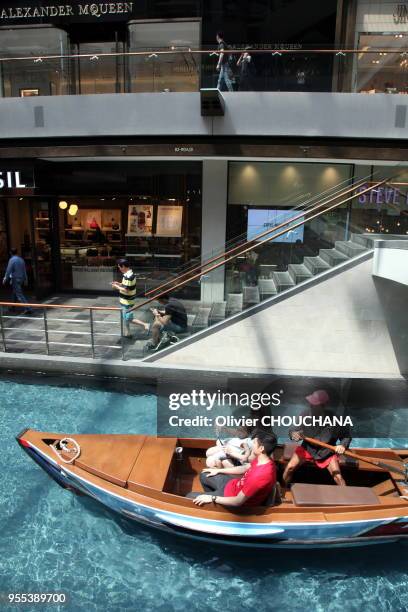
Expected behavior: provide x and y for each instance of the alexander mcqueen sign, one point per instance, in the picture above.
(73, 10)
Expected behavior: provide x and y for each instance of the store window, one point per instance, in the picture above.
(383, 67)
(381, 36)
(98, 66)
(385, 209)
(171, 72)
(156, 224)
(34, 77)
(266, 194)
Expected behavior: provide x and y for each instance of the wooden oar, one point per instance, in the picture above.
(380, 464)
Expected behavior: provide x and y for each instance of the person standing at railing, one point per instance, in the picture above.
(223, 65)
(246, 71)
(127, 293)
(16, 275)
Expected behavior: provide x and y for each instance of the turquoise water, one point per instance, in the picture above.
(52, 540)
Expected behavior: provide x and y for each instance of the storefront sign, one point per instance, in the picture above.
(12, 180)
(169, 220)
(140, 220)
(29, 11)
(386, 195)
(401, 14)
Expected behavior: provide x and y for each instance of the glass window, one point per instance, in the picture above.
(34, 77)
(157, 226)
(380, 70)
(170, 72)
(263, 195)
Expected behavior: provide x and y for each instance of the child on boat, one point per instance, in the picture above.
(230, 452)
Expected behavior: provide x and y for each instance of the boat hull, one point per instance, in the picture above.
(294, 535)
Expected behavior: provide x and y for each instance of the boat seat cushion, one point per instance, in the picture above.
(332, 495)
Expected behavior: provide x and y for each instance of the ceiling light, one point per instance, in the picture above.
(63, 205)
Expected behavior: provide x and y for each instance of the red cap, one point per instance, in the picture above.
(318, 398)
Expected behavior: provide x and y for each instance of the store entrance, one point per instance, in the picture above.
(26, 225)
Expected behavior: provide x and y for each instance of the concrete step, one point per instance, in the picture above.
(201, 319)
(266, 287)
(235, 303)
(299, 272)
(316, 264)
(217, 312)
(251, 295)
(362, 239)
(332, 256)
(349, 248)
(283, 281)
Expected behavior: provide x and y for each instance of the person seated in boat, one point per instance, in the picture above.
(229, 452)
(242, 485)
(323, 458)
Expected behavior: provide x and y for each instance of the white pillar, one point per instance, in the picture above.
(214, 224)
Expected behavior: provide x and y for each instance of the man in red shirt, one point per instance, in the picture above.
(257, 481)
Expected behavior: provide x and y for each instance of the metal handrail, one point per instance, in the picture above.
(268, 239)
(66, 306)
(45, 308)
(229, 51)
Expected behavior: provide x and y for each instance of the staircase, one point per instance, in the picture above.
(269, 284)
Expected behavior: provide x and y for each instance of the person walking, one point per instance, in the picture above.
(225, 73)
(16, 275)
(127, 293)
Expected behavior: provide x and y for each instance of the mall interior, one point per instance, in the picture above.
(107, 152)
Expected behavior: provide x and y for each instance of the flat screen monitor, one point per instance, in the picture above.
(262, 219)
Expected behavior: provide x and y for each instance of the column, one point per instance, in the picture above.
(214, 224)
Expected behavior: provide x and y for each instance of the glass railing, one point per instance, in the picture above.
(369, 69)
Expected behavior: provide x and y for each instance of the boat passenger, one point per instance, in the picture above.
(242, 485)
(230, 452)
(321, 457)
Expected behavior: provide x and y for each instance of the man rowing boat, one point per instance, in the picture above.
(331, 434)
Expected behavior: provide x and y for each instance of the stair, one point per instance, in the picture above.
(266, 287)
(235, 303)
(332, 256)
(283, 281)
(316, 264)
(362, 240)
(349, 248)
(299, 272)
(201, 319)
(251, 295)
(217, 312)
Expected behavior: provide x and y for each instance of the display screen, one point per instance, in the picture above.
(260, 220)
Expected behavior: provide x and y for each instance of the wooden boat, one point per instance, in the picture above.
(146, 480)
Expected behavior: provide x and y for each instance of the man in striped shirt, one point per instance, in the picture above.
(127, 293)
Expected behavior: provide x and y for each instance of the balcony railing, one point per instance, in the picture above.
(179, 69)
